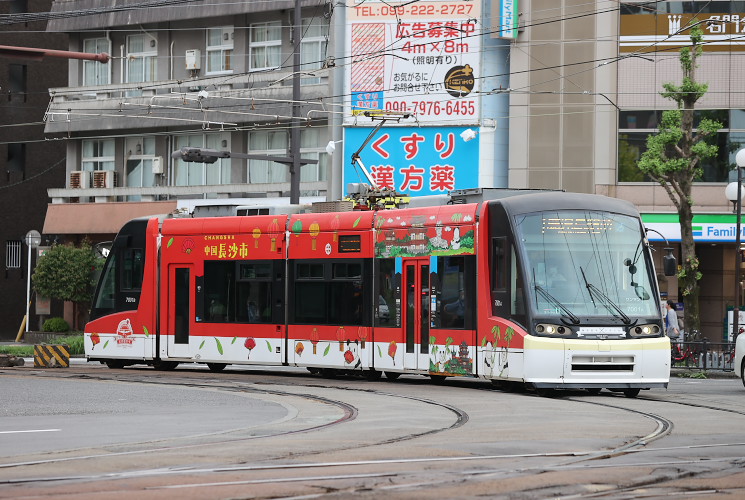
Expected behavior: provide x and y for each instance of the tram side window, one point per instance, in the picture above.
(456, 295)
(244, 296)
(329, 293)
(218, 294)
(310, 293)
(388, 294)
(254, 292)
(499, 263)
(345, 290)
(133, 268)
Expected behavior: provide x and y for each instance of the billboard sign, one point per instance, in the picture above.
(421, 58)
(417, 161)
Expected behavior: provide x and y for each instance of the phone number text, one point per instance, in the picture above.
(434, 108)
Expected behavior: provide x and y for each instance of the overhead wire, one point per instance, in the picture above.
(602, 61)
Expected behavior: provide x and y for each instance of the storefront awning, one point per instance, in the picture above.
(709, 228)
(99, 218)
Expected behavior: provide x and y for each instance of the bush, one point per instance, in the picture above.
(56, 325)
(73, 342)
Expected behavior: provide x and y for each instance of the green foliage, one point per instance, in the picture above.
(74, 342)
(56, 325)
(22, 351)
(66, 273)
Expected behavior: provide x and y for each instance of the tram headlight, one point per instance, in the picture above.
(549, 329)
(650, 330)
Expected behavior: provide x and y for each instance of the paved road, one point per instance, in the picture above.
(255, 434)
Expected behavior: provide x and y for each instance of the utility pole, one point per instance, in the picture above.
(295, 127)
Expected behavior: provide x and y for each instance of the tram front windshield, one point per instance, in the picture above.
(580, 264)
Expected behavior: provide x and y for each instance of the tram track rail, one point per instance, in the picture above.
(349, 413)
(578, 460)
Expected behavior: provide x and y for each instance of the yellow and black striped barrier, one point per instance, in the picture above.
(51, 356)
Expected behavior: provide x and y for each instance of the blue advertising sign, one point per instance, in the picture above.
(417, 161)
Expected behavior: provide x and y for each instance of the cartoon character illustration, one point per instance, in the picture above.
(438, 241)
(456, 239)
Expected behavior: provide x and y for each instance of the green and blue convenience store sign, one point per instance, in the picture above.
(709, 228)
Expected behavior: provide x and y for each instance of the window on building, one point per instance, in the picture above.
(17, 81)
(271, 142)
(18, 6)
(98, 154)
(199, 174)
(265, 45)
(635, 126)
(276, 142)
(13, 250)
(142, 52)
(94, 72)
(139, 155)
(219, 50)
(313, 46)
(16, 158)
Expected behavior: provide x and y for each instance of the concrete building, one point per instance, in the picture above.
(30, 163)
(485, 93)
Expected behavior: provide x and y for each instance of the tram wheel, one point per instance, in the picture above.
(115, 363)
(631, 393)
(216, 367)
(594, 390)
(372, 375)
(164, 366)
(437, 379)
(392, 375)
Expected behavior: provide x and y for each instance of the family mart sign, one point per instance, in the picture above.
(713, 228)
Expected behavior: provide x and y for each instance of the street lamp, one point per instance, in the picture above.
(33, 240)
(204, 155)
(734, 193)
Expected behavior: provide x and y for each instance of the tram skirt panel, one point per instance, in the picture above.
(51, 356)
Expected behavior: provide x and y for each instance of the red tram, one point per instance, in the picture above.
(553, 290)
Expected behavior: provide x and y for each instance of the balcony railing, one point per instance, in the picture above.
(162, 193)
(213, 102)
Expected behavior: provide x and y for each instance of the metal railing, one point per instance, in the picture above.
(703, 355)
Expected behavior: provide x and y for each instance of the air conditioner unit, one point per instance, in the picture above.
(79, 179)
(103, 179)
(193, 59)
(158, 165)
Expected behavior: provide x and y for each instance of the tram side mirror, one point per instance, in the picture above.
(669, 263)
(641, 292)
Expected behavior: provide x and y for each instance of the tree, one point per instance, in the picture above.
(66, 273)
(673, 158)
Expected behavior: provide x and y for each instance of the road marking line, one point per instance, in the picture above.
(34, 430)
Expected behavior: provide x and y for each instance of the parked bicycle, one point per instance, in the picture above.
(686, 354)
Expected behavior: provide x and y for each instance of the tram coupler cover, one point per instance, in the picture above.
(51, 356)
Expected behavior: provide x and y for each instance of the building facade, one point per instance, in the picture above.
(31, 164)
(485, 93)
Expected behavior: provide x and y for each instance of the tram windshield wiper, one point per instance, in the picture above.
(555, 302)
(606, 301)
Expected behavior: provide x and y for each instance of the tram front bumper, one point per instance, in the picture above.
(612, 364)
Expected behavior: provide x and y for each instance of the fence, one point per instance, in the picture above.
(703, 355)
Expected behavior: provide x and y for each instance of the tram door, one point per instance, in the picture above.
(416, 313)
(179, 311)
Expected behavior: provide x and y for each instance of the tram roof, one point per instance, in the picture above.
(557, 200)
